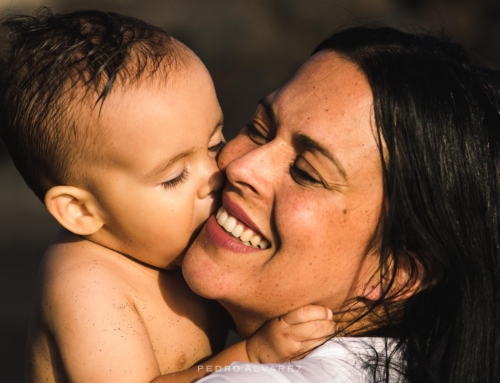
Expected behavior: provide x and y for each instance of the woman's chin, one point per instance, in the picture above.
(201, 271)
(217, 264)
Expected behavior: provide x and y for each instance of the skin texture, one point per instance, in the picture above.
(101, 315)
(318, 214)
(106, 307)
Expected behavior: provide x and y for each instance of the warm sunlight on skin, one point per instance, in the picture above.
(100, 315)
(306, 173)
(159, 180)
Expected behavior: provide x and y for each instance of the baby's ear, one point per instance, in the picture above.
(75, 209)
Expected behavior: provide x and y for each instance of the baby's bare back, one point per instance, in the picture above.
(101, 317)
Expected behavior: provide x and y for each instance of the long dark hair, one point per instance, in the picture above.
(438, 119)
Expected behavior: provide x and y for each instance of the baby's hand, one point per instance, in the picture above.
(290, 336)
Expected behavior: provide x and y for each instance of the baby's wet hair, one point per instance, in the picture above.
(52, 65)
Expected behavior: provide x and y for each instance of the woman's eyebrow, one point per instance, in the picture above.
(266, 104)
(303, 140)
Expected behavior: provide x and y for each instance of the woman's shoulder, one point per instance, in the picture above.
(337, 360)
(355, 346)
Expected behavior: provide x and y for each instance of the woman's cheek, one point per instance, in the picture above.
(300, 219)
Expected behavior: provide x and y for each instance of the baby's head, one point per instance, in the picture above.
(115, 126)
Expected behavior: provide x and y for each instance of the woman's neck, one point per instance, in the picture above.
(357, 320)
(247, 323)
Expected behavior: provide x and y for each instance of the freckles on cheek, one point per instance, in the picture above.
(317, 223)
(304, 219)
(304, 226)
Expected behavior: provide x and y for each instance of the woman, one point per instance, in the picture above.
(374, 174)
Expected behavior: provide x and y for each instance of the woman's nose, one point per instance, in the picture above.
(257, 169)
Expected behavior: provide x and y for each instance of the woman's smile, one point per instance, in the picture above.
(238, 230)
(233, 229)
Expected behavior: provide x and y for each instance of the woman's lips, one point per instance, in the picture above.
(237, 212)
(225, 240)
(239, 230)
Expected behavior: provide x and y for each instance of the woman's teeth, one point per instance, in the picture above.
(246, 236)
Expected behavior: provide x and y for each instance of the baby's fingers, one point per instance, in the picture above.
(306, 314)
(312, 331)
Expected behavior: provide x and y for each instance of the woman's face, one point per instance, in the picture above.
(306, 176)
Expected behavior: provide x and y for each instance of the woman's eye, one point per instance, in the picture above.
(257, 133)
(303, 176)
(171, 184)
(217, 148)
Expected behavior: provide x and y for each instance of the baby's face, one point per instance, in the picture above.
(158, 179)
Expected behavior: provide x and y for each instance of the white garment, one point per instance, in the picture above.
(338, 360)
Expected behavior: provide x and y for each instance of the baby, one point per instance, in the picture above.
(116, 126)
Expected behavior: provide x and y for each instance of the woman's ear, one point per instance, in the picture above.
(75, 209)
(407, 281)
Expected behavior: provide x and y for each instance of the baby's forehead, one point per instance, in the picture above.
(91, 116)
(155, 115)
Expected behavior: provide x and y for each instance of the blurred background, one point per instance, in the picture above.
(250, 47)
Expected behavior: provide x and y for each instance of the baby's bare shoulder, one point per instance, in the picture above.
(76, 271)
(85, 303)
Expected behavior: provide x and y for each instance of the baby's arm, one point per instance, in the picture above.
(279, 340)
(97, 333)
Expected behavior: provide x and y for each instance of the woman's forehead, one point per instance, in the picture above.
(328, 98)
(327, 86)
